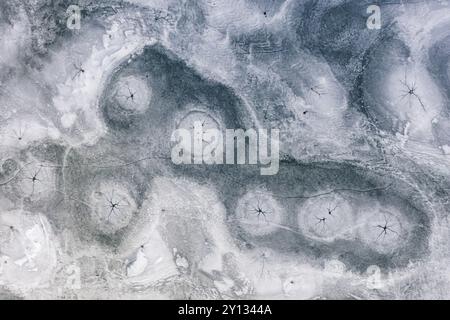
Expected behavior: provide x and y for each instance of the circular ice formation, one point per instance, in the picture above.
(259, 213)
(382, 228)
(326, 218)
(133, 94)
(414, 98)
(112, 207)
(400, 94)
(37, 180)
(28, 250)
(205, 121)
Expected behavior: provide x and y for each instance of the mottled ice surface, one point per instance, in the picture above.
(91, 205)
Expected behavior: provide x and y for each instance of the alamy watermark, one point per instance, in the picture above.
(74, 17)
(235, 147)
(374, 20)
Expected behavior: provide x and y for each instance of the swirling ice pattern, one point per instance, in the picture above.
(91, 205)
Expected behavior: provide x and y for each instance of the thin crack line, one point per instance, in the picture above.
(333, 191)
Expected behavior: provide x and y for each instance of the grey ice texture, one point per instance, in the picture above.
(91, 206)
